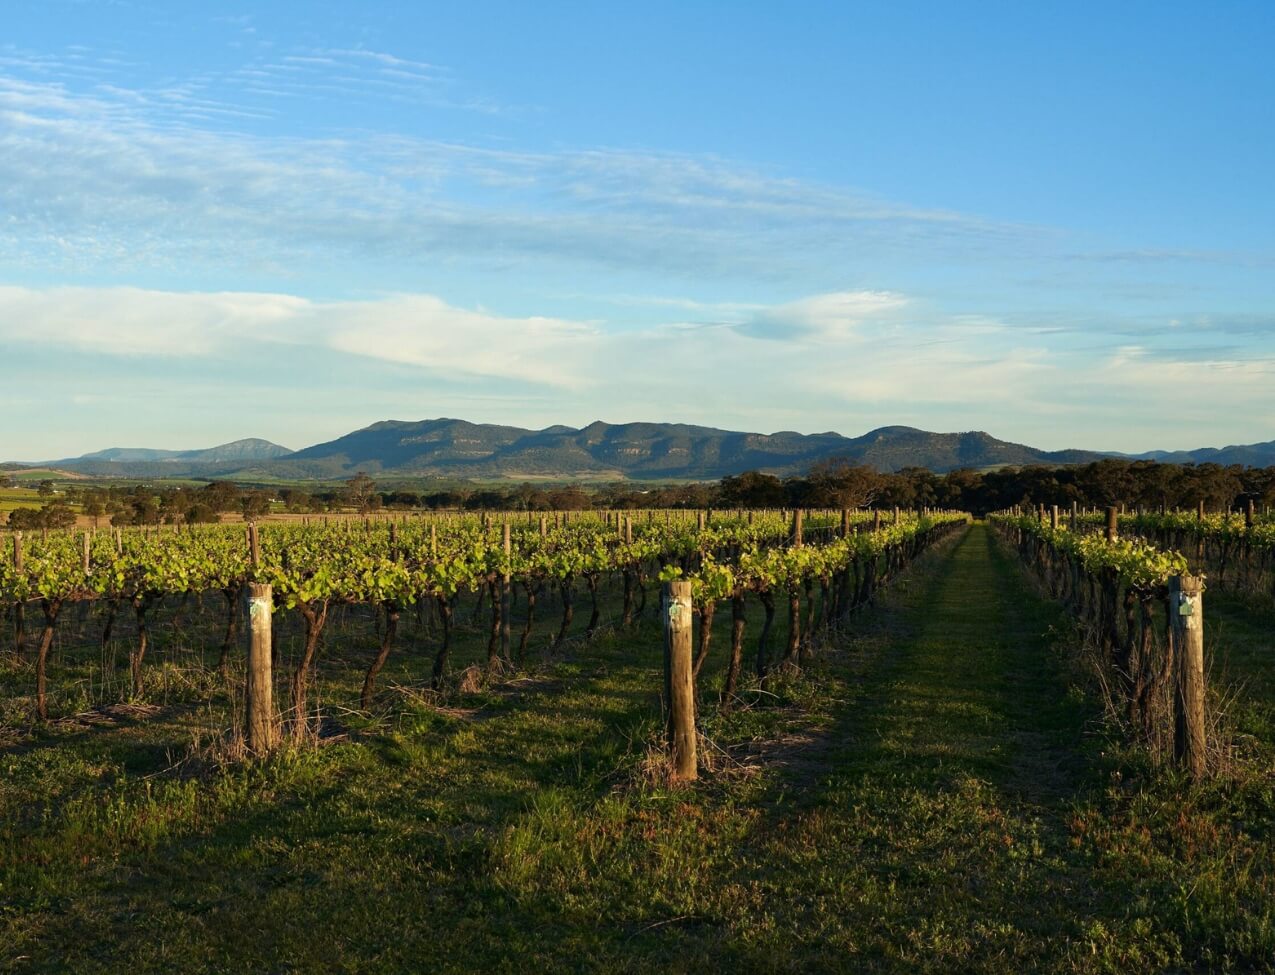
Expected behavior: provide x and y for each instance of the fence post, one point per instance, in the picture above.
(259, 699)
(504, 597)
(1113, 523)
(1186, 603)
(679, 680)
(19, 608)
(798, 528)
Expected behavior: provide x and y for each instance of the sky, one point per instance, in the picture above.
(1052, 222)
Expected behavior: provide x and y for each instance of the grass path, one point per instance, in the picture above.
(929, 824)
(940, 837)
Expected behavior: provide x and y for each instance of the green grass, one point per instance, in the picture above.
(1241, 653)
(19, 497)
(934, 795)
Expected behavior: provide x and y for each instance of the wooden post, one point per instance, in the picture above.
(679, 680)
(544, 527)
(845, 522)
(1186, 603)
(798, 529)
(876, 520)
(85, 543)
(699, 521)
(254, 546)
(19, 609)
(504, 597)
(1075, 515)
(628, 530)
(259, 699)
(1113, 523)
(1053, 517)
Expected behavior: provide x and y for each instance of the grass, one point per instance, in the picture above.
(18, 497)
(934, 794)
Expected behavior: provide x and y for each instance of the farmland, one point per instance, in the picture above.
(931, 784)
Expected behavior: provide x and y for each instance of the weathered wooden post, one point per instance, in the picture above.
(798, 529)
(20, 608)
(1053, 517)
(1186, 603)
(845, 522)
(679, 680)
(259, 720)
(1113, 523)
(876, 520)
(504, 597)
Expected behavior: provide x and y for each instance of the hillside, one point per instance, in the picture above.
(251, 448)
(645, 450)
(601, 451)
(1249, 455)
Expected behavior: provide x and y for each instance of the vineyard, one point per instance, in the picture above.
(783, 738)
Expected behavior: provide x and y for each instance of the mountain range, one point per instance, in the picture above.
(599, 451)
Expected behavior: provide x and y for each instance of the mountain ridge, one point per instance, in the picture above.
(642, 451)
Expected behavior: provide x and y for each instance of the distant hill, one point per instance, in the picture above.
(645, 450)
(453, 448)
(1249, 455)
(237, 450)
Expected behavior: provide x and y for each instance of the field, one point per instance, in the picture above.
(936, 790)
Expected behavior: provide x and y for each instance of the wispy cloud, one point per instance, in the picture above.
(114, 176)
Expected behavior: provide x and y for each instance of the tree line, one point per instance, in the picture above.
(829, 484)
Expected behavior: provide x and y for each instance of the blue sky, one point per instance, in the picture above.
(1052, 222)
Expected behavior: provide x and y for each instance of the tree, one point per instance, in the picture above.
(838, 483)
(221, 496)
(752, 489)
(255, 505)
(57, 515)
(359, 491)
(201, 514)
(94, 505)
(570, 498)
(44, 489)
